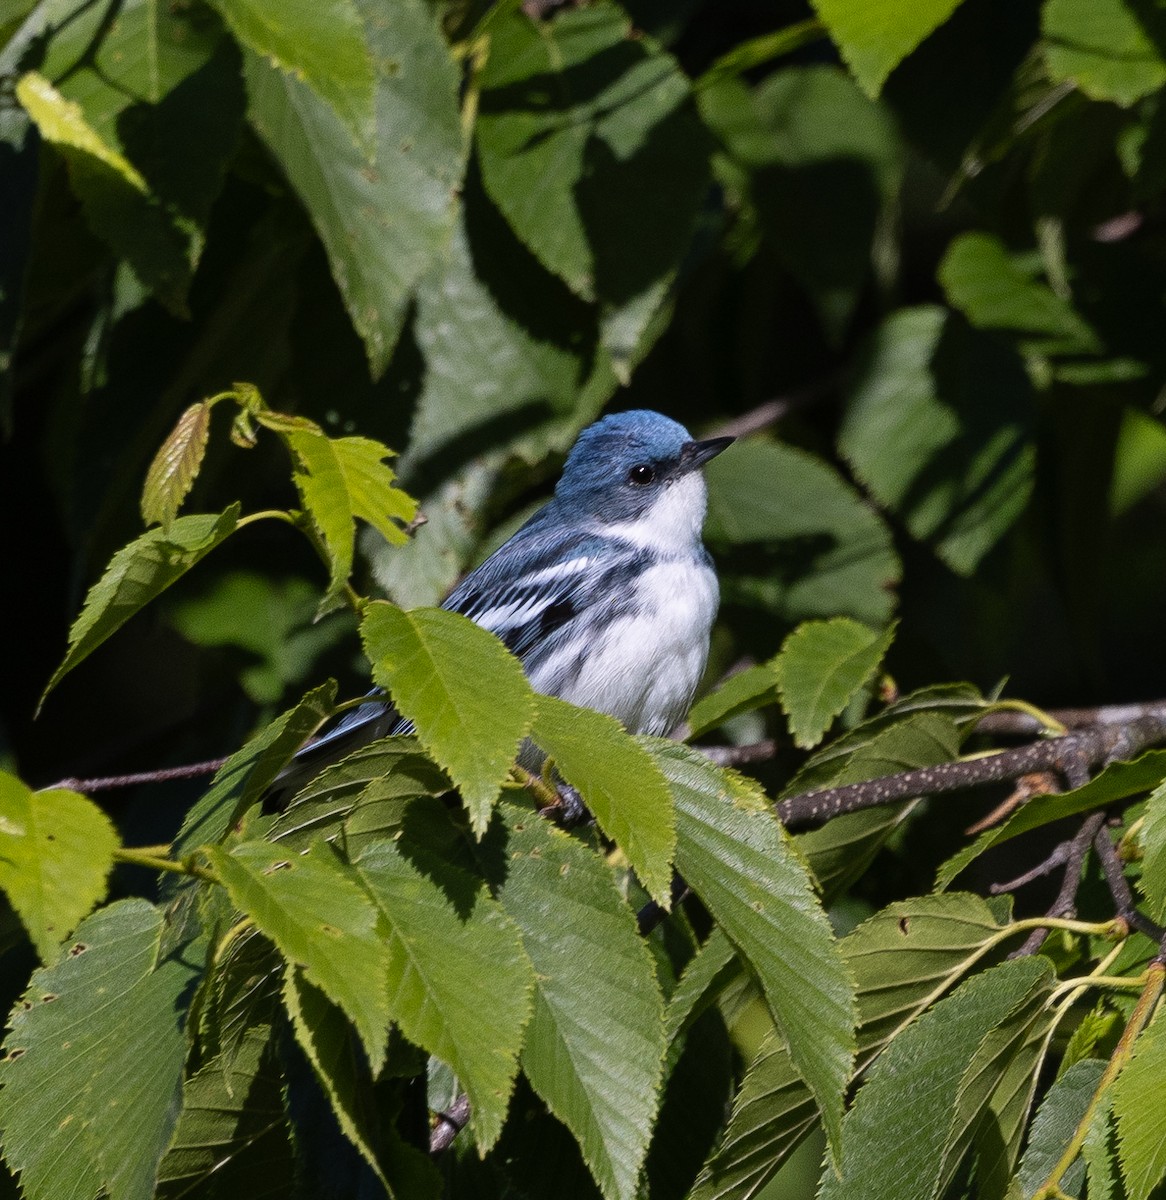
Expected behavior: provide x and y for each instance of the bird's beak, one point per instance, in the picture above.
(696, 454)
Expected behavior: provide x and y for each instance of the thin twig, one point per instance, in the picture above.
(772, 411)
(449, 1124)
(1119, 888)
(106, 783)
(1022, 724)
(732, 756)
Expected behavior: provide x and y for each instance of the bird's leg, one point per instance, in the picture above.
(570, 809)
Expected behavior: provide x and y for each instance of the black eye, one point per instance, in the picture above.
(641, 474)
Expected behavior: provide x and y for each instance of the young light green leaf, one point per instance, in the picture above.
(467, 697)
(874, 37)
(325, 1037)
(620, 783)
(1116, 782)
(232, 1126)
(314, 909)
(903, 1125)
(1153, 878)
(735, 855)
(1056, 1121)
(1138, 1111)
(595, 1047)
(1108, 48)
(321, 42)
(56, 849)
(459, 982)
(175, 466)
(752, 688)
(821, 666)
(249, 772)
(90, 1084)
(136, 574)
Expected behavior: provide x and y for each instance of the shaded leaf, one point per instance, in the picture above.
(1056, 1121)
(175, 466)
(595, 1046)
(735, 855)
(56, 849)
(1138, 1112)
(752, 688)
(91, 1086)
(458, 982)
(314, 909)
(1111, 49)
(1099, 1150)
(619, 782)
(471, 721)
(821, 666)
(1153, 878)
(136, 574)
(705, 974)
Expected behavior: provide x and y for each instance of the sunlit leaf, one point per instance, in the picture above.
(1141, 1119)
(175, 466)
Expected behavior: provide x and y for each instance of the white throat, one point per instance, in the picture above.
(673, 523)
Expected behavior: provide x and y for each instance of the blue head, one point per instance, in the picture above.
(639, 470)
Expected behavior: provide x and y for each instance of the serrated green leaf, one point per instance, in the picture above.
(93, 1070)
(1056, 1121)
(320, 42)
(1152, 883)
(250, 771)
(1138, 1112)
(903, 1124)
(589, 146)
(459, 981)
(232, 1126)
(706, 973)
(136, 574)
(938, 427)
(620, 783)
(986, 285)
(1116, 782)
(1094, 1027)
(56, 849)
(595, 1046)
(1110, 49)
(821, 666)
(752, 688)
(175, 466)
(385, 216)
(1099, 1150)
(326, 1038)
(735, 855)
(874, 37)
(314, 909)
(467, 697)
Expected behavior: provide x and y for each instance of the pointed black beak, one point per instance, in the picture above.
(696, 454)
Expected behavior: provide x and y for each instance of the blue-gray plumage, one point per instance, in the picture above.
(607, 595)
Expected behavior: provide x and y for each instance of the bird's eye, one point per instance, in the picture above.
(641, 474)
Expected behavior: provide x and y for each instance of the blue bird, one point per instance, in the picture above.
(607, 594)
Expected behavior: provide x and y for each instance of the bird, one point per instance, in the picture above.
(607, 595)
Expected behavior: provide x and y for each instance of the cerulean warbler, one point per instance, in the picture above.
(607, 594)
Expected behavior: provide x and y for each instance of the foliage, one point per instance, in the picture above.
(924, 238)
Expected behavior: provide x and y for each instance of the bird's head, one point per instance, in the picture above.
(639, 472)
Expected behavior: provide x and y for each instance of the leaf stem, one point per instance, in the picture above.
(542, 791)
(268, 514)
(1151, 992)
(143, 857)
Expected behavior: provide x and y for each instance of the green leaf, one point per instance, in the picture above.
(734, 854)
(793, 538)
(897, 1137)
(1152, 883)
(1061, 1112)
(175, 466)
(93, 1071)
(136, 574)
(459, 981)
(595, 1046)
(1110, 49)
(589, 146)
(1099, 1150)
(56, 849)
(325, 1037)
(822, 665)
(752, 688)
(384, 216)
(250, 771)
(232, 1127)
(1140, 1117)
(987, 285)
(1116, 782)
(620, 783)
(314, 909)
(466, 695)
(874, 37)
(319, 42)
(117, 201)
(938, 427)
(706, 973)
